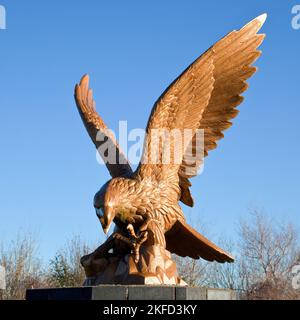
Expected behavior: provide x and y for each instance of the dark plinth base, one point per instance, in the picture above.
(131, 292)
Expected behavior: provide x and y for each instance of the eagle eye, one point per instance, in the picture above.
(99, 212)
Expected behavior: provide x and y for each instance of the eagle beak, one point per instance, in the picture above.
(107, 218)
(106, 229)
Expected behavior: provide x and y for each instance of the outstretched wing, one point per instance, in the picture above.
(115, 161)
(233, 57)
(185, 241)
(204, 96)
(177, 111)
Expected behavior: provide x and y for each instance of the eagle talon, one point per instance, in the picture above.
(136, 241)
(137, 244)
(131, 231)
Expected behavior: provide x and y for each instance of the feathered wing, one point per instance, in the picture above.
(98, 131)
(204, 96)
(233, 57)
(185, 241)
(178, 109)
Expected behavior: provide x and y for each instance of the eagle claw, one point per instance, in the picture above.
(136, 241)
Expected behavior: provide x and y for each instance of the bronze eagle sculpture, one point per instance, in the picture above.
(149, 222)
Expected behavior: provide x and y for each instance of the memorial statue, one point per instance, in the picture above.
(149, 222)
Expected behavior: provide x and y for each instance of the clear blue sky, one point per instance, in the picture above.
(132, 51)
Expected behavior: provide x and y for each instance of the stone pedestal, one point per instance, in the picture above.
(131, 292)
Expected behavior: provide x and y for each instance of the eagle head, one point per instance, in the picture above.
(109, 202)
